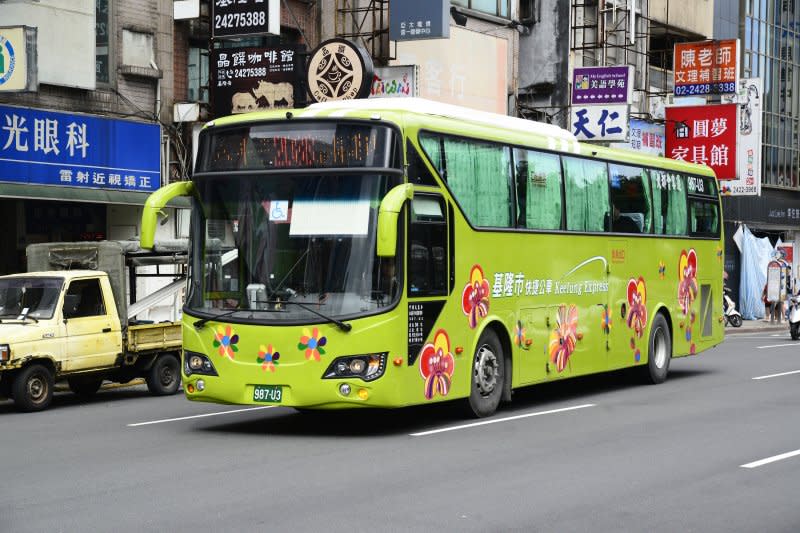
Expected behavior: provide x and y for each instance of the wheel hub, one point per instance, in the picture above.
(485, 370)
(659, 349)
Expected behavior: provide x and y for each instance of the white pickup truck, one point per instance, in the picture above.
(74, 324)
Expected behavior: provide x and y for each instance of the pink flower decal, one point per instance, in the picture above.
(436, 365)
(564, 338)
(225, 339)
(312, 343)
(637, 310)
(687, 279)
(268, 357)
(475, 298)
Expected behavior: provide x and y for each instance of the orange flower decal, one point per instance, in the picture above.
(225, 340)
(312, 342)
(475, 297)
(637, 308)
(564, 338)
(436, 365)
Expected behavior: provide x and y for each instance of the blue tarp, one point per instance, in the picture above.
(756, 254)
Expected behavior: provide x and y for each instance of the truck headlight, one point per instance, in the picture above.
(367, 367)
(197, 363)
(5, 352)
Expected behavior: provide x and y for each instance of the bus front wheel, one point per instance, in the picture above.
(487, 375)
(659, 351)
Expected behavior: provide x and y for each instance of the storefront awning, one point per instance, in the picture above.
(79, 194)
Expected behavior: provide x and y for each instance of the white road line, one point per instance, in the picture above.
(774, 458)
(778, 375)
(199, 416)
(496, 420)
(777, 345)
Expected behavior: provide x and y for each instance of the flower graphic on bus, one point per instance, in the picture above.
(564, 338)
(225, 340)
(605, 320)
(687, 280)
(637, 309)
(519, 336)
(312, 342)
(268, 357)
(662, 270)
(475, 298)
(436, 365)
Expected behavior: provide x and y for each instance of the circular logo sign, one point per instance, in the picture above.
(339, 70)
(7, 60)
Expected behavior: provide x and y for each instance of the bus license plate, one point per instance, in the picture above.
(267, 393)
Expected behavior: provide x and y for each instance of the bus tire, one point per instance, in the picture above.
(33, 388)
(487, 375)
(659, 352)
(164, 377)
(84, 387)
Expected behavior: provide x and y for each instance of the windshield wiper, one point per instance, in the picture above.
(202, 322)
(344, 326)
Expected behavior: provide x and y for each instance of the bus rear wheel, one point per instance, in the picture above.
(659, 351)
(487, 375)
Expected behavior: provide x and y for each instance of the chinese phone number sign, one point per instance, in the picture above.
(706, 67)
(49, 148)
(705, 135)
(237, 18)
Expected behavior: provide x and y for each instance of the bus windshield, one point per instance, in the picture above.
(290, 248)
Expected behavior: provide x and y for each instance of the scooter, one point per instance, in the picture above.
(732, 316)
(794, 316)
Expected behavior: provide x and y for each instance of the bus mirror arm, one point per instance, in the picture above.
(154, 206)
(388, 213)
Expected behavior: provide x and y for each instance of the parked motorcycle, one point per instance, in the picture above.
(794, 316)
(732, 315)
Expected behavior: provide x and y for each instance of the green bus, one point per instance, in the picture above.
(393, 252)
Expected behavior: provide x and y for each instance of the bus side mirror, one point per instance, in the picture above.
(154, 206)
(389, 210)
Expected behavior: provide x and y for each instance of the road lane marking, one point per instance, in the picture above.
(199, 416)
(777, 345)
(496, 420)
(774, 458)
(778, 375)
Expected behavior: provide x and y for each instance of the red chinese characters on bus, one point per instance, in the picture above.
(704, 134)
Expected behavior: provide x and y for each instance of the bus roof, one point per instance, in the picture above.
(559, 139)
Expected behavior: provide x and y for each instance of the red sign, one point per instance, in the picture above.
(707, 67)
(704, 134)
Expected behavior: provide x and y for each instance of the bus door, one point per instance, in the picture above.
(427, 268)
(627, 303)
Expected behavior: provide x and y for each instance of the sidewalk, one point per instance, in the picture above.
(755, 326)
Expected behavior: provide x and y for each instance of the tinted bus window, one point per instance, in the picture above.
(479, 176)
(539, 199)
(631, 203)
(427, 247)
(704, 218)
(669, 202)
(586, 186)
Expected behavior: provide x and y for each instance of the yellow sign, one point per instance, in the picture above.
(13, 59)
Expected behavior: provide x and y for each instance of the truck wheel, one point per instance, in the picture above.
(164, 376)
(5, 385)
(83, 387)
(33, 388)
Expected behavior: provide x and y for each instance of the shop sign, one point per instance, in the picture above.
(602, 85)
(600, 122)
(253, 79)
(394, 82)
(339, 70)
(704, 134)
(411, 20)
(645, 137)
(50, 148)
(18, 59)
(748, 158)
(707, 67)
(242, 18)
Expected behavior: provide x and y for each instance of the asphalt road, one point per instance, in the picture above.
(702, 452)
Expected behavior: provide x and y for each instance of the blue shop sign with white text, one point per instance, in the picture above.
(51, 148)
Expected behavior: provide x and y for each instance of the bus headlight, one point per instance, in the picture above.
(367, 367)
(5, 352)
(197, 363)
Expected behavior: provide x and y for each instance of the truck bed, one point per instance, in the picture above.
(163, 336)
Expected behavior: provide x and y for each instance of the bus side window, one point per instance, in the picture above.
(669, 202)
(586, 187)
(427, 247)
(630, 196)
(539, 201)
